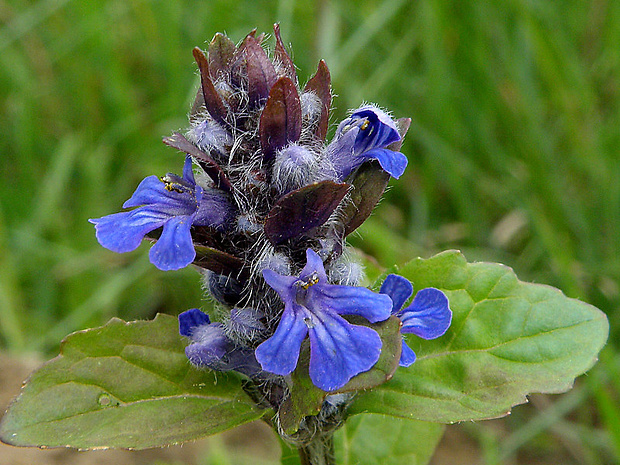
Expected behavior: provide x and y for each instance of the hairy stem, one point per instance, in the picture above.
(318, 452)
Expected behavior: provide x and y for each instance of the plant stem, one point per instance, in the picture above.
(319, 452)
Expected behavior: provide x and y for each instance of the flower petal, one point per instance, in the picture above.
(283, 285)
(349, 300)
(340, 350)
(190, 320)
(174, 249)
(188, 172)
(364, 136)
(214, 208)
(428, 316)
(211, 347)
(398, 288)
(149, 191)
(341, 152)
(314, 264)
(379, 131)
(407, 356)
(152, 191)
(392, 162)
(241, 359)
(279, 353)
(123, 232)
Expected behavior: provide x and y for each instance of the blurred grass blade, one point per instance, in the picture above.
(542, 422)
(363, 36)
(28, 20)
(11, 303)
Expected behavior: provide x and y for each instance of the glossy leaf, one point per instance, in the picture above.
(213, 101)
(306, 399)
(221, 52)
(303, 209)
(507, 339)
(384, 440)
(282, 55)
(320, 84)
(280, 121)
(124, 385)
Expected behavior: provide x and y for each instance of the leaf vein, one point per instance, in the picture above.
(501, 344)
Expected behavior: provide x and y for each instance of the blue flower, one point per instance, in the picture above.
(172, 202)
(211, 347)
(428, 316)
(339, 350)
(364, 136)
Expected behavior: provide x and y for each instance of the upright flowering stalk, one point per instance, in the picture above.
(263, 209)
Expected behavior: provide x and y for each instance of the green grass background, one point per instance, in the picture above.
(513, 150)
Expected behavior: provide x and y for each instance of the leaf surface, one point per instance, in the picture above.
(213, 100)
(302, 210)
(221, 53)
(280, 120)
(320, 84)
(126, 385)
(507, 339)
(383, 440)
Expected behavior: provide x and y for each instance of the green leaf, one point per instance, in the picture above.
(124, 385)
(289, 454)
(306, 399)
(507, 339)
(401, 441)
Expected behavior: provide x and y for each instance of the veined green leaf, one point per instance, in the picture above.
(401, 441)
(125, 385)
(507, 339)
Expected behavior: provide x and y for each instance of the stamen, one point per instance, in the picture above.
(311, 281)
(364, 125)
(171, 186)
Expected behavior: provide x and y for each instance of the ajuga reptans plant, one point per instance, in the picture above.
(263, 210)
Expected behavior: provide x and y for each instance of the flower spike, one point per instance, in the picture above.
(270, 190)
